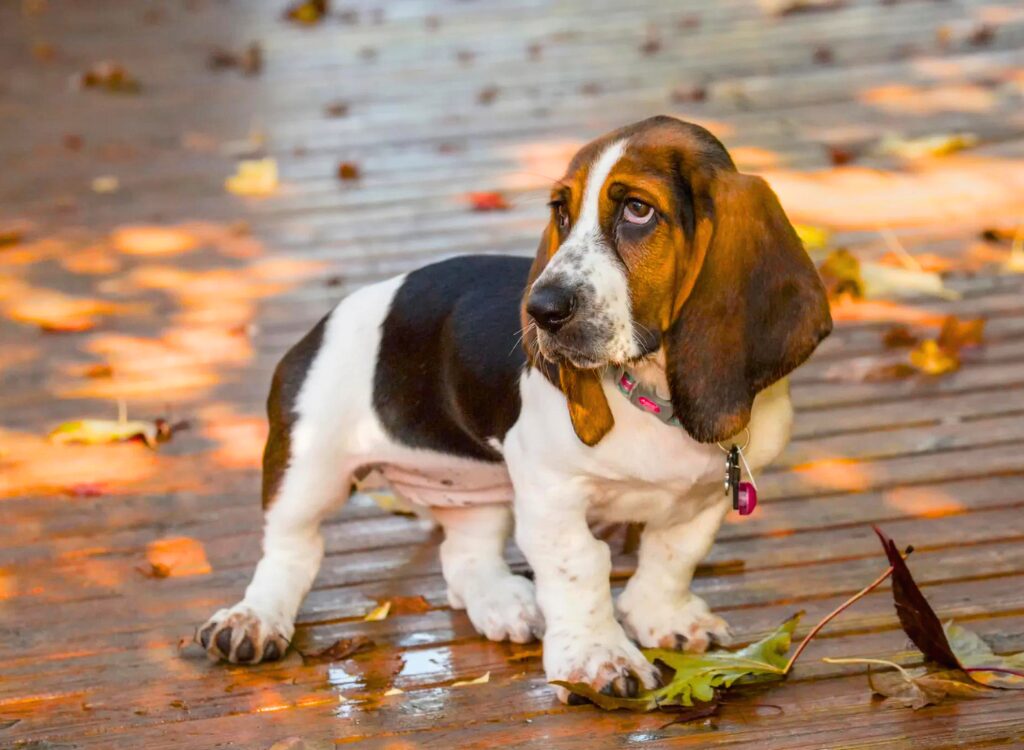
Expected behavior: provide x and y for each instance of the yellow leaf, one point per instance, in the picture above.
(813, 237)
(99, 431)
(481, 680)
(393, 691)
(106, 184)
(930, 358)
(379, 612)
(253, 177)
(931, 145)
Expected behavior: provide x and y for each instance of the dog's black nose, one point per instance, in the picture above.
(551, 306)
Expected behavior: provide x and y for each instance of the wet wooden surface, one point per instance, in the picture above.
(443, 99)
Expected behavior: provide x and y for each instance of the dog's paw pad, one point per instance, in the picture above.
(611, 665)
(241, 636)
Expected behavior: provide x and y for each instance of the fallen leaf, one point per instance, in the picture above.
(788, 7)
(984, 666)
(249, 61)
(337, 109)
(488, 201)
(881, 280)
(688, 92)
(840, 155)
(176, 557)
(916, 615)
(380, 612)
(840, 272)
(12, 233)
(154, 570)
(823, 55)
(931, 145)
(526, 655)
(348, 171)
(393, 691)
(487, 95)
(106, 183)
(408, 605)
(108, 76)
(341, 649)
(306, 12)
(813, 237)
(100, 431)
(932, 359)
(957, 334)
(920, 687)
(898, 337)
(698, 677)
(651, 45)
(481, 680)
(254, 177)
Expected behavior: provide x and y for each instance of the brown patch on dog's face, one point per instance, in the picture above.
(656, 242)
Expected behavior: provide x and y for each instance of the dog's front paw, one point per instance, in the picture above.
(506, 609)
(682, 623)
(607, 661)
(241, 635)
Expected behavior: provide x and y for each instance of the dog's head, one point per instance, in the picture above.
(656, 242)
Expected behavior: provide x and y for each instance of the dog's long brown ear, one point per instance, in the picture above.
(588, 407)
(756, 311)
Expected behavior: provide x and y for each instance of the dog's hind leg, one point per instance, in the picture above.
(501, 605)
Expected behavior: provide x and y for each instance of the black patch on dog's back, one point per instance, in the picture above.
(447, 375)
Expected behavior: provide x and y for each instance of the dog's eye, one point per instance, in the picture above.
(637, 212)
(561, 215)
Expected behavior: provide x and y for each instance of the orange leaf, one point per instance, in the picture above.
(177, 557)
(957, 334)
(931, 359)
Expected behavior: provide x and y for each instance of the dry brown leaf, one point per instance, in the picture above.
(249, 61)
(348, 171)
(341, 649)
(408, 605)
(108, 76)
(957, 334)
(898, 337)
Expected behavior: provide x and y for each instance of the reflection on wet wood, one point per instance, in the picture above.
(127, 271)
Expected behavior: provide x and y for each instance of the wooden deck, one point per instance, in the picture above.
(110, 555)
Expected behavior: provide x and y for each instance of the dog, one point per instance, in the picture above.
(483, 384)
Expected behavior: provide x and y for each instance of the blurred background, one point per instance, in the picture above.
(187, 185)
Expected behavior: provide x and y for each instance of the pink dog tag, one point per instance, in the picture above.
(747, 499)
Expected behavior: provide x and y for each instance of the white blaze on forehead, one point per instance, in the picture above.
(589, 221)
(586, 263)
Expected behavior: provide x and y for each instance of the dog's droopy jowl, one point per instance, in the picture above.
(484, 387)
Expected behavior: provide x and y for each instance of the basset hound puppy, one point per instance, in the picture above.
(481, 385)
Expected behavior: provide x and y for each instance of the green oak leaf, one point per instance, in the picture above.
(697, 677)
